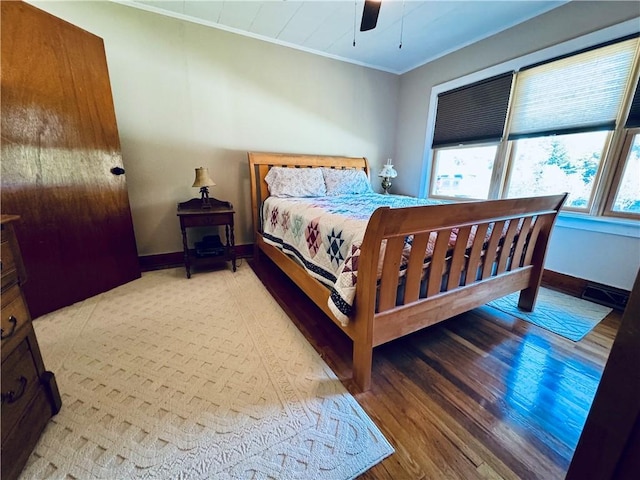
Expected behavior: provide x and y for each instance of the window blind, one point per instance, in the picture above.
(633, 120)
(473, 113)
(579, 93)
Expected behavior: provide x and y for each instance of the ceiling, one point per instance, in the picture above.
(425, 29)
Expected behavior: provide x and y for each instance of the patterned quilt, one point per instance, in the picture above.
(324, 235)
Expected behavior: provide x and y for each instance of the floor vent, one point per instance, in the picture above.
(608, 296)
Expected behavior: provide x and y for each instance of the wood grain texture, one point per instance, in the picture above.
(482, 395)
(59, 142)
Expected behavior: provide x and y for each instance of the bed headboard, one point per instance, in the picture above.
(261, 162)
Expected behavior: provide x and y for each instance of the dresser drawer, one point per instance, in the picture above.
(23, 437)
(8, 265)
(14, 317)
(19, 384)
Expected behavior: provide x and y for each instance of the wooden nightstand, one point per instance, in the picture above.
(192, 214)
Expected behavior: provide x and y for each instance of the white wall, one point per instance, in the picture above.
(187, 96)
(611, 259)
(592, 255)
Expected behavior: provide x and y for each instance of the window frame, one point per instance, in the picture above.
(611, 168)
(622, 157)
(592, 203)
(462, 199)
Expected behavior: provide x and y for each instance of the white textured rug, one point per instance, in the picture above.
(170, 378)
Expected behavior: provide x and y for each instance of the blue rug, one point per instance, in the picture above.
(557, 312)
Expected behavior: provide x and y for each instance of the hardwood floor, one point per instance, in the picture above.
(482, 395)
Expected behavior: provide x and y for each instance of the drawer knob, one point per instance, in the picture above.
(14, 322)
(11, 396)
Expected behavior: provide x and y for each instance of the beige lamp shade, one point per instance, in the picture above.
(202, 178)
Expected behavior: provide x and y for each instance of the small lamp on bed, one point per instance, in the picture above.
(387, 173)
(203, 180)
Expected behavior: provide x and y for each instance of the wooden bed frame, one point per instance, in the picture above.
(370, 327)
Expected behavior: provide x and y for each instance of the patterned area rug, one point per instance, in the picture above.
(562, 314)
(166, 377)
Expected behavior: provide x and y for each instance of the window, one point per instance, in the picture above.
(463, 172)
(626, 199)
(568, 124)
(559, 163)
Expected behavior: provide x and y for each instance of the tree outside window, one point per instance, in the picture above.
(556, 164)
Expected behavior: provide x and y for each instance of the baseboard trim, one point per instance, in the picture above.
(563, 283)
(588, 290)
(161, 261)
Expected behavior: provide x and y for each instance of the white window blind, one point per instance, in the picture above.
(578, 93)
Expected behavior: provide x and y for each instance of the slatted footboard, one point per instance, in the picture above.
(479, 251)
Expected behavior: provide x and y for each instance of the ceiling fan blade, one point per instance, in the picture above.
(370, 15)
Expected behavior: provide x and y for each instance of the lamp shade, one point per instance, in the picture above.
(202, 178)
(388, 171)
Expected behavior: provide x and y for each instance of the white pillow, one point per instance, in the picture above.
(348, 181)
(295, 182)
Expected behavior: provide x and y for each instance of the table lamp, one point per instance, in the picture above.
(203, 181)
(387, 173)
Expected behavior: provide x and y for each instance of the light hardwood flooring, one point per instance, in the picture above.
(482, 395)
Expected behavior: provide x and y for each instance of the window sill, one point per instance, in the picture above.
(610, 225)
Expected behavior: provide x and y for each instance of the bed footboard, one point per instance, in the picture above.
(478, 251)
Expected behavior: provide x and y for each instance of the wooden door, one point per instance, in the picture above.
(59, 145)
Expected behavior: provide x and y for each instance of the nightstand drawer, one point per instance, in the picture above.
(220, 218)
(19, 383)
(14, 317)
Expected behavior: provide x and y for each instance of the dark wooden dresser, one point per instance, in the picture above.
(30, 395)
